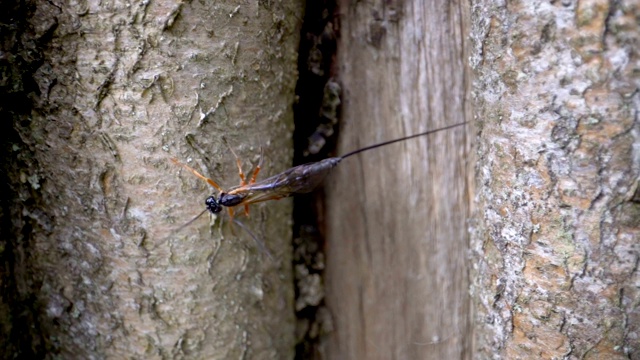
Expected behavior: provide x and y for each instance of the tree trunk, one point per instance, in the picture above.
(556, 255)
(396, 217)
(117, 89)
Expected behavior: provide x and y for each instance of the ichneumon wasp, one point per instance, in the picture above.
(296, 180)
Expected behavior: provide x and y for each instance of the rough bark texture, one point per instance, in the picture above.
(118, 89)
(556, 260)
(396, 216)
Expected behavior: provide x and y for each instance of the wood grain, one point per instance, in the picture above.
(397, 238)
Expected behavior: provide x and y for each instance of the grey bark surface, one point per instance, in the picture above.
(396, 217)
(556, 251)
(123, 87)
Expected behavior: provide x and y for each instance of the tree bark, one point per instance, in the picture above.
(556, 253)
(118, 89)
(396, 217)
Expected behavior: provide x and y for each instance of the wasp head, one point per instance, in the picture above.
(213, 205)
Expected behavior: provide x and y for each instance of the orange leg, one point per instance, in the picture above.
(257, 169)
(243, 177)
(209, 181)
(239, 164)
(254, 176)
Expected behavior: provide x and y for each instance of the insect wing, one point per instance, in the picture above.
(300, 179)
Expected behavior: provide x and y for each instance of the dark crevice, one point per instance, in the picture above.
(21, 336)
(316, 114)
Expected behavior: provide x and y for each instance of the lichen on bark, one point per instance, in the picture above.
(557, 102)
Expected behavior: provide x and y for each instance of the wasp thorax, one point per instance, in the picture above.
(213, 205)
(230, 200)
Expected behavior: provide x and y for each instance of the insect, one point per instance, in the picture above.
(296, 180)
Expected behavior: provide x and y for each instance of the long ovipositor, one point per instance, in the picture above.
(296, 180)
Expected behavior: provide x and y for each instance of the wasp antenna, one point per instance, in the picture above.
(175, 231)
(194, 172)
(260, 243)
(191, 221)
